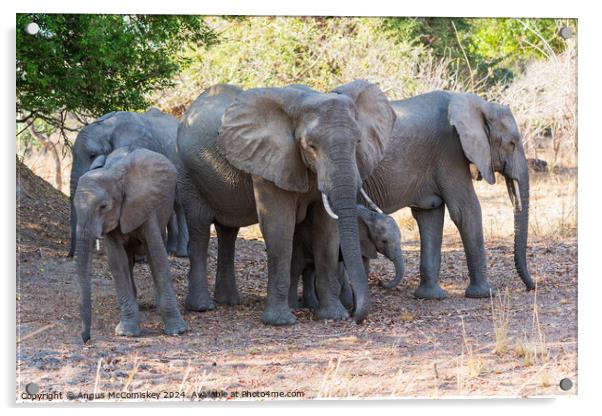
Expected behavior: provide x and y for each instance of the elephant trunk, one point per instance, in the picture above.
(75, 175)
(343, 197)
(518, 191)
(397, 260)
(85, 242)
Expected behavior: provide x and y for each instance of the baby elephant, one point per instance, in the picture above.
(128, 201)
(379, 233)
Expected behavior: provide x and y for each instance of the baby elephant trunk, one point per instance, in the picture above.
(397, 260)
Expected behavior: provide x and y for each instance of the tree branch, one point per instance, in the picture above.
(51, 147)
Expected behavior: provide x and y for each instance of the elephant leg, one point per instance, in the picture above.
(467, 217)
(276, 211)
(325, 245)
(182, 248)
(310, 298)
(129, 316)
(430, 226)
(293, 294)
(131, 253)
(166, 296)
(225, 280)
(172, 233)
(199, 227)
(297, 266)
(73, 226)
(346, 292)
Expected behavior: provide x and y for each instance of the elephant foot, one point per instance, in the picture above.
(127, 329)
(310, 300)
(278, 316)
(293, 302)
(227, 297)
(480, 290)
(199, 303)
(311, 303)
(175, 326)
(347, 298)
(432, 291)
(334, 310)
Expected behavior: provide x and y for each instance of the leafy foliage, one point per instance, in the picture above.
(86, 65)
(496, 48)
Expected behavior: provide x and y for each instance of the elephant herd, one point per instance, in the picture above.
(318, 171)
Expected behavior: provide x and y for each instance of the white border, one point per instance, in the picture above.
(589, 225)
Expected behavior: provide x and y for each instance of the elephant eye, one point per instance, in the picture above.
(103, 206)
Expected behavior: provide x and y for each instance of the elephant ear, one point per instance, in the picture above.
(376, 119)
(466, 112)
(257, 137)
(366, 224)
(149, 179)
(366, 245)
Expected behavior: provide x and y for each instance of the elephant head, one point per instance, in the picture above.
(491, 141)
(303, 141)
(379, 233)
(95, 141)
(122, 194)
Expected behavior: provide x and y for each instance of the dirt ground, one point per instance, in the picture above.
(518, 344)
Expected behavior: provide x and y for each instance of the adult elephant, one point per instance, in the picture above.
(265, 155)
(153, 130)
(426, 167)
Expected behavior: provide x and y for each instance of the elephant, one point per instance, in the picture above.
(127, 202)
(439, 138)
(265, 155)
(378, 233)
(153, 130)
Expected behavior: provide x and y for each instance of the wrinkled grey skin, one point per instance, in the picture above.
(152, 130)
(265, 155)
(426, 167)
(128, 202)
(378, 233)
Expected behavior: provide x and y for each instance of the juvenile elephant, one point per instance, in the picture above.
(426, 167)
(128, 202)
(153, 130)
(265, 155)
(378, 233)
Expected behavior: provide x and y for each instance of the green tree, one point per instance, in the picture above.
(79, 66)
(482, 48)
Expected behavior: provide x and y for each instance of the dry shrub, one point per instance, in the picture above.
(500, 316)
(544, 103)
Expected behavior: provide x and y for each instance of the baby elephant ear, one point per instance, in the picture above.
(149, 180)
(257, 136)
(376, 119)
(466, 112)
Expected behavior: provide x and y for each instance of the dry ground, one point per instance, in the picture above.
(519, 344)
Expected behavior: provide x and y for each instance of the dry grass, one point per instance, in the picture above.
(544, 103)
(500, 317)
(474, 363)
(533, 348)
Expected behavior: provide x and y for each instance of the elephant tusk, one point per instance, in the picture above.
(370, 202)
(98, 244)
(519, 204)
(328, 208)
